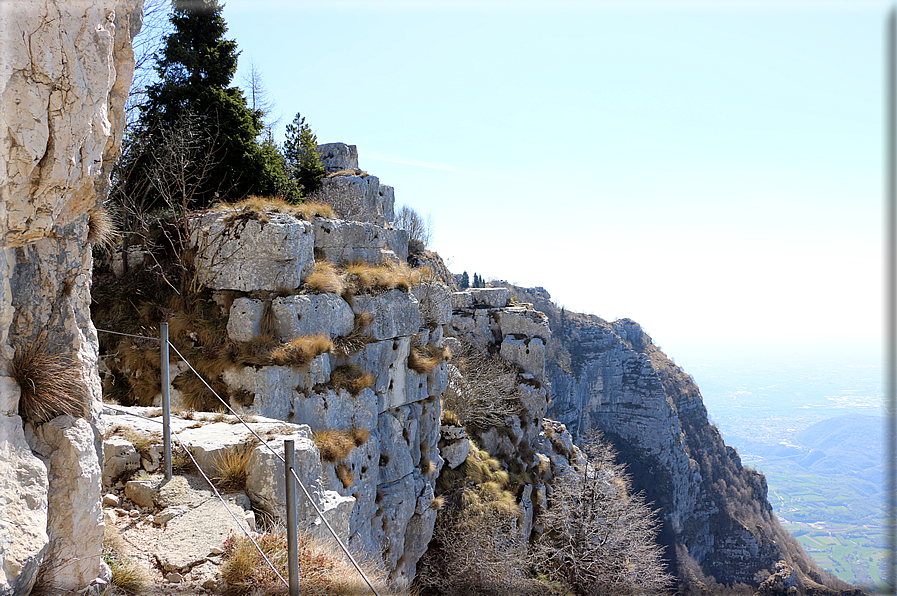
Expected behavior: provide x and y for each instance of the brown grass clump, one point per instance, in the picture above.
(424, 359)
(311, 209)
(127, 575)
(449, 418)
(360, 436)
(325, 279)
(357, 338)
(364, 278)
(301, 350)
(345, 475)
(351, 378)
(231, 467)
(101, 228)
(322, 571)
(51, 384)
(334, 445)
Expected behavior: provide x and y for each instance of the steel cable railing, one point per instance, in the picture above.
(263, 442)
(212, 486)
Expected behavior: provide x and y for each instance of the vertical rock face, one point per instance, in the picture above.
(610, 377)
(65, 71)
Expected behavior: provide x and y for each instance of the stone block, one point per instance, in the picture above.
(343, 242)
(329, 409)
(338, 156)
(274, 387)
(529, 354)
(462, 300)
(395, 451)
(75, 517)
(266, 485)
(245, 320)
(522, 323)
(188, 538)
(490, 297)
(119, 456)
(435, 303)
(311, 314)
(253, 254)
(358, 198)
(396, 313)
(455, 453)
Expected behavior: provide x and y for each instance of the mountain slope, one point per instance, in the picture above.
(718, 525)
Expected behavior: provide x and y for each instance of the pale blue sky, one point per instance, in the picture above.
(713, 170)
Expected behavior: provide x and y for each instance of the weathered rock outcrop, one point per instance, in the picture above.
(64, 77)
(610, 377)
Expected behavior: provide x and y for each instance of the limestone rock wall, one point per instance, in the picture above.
(387, 480)
(65, 71)
(610, 377)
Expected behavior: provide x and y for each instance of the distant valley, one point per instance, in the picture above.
(816, 432)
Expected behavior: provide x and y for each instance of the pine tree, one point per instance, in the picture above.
(303, 161)
(194, 71)
(465, 281)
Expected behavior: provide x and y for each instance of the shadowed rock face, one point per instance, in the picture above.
(64, 78)
(610, 377)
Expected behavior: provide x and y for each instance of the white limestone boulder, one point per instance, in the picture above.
(245, 320)
(23, 519)
(266, 485)
(75, 521)
(273, 251)
(273, 388)
(119, 456)
(338, 156)
(311, 314)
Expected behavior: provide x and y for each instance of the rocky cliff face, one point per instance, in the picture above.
(610, 377)
(64, 76)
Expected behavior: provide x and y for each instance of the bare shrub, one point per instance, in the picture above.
(598, 538)
(419, 230)
(482, 391)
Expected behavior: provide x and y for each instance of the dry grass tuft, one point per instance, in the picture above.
(345, 475)
(334, 445)
(140, 441)
(311, 209)
(231, 467)
(360, 436)
(127, 575)
(325, 279)
(301, 350)
(449, 418)
(256, 205)
(424, 359)
(322, 571)
(357, 338)
(351, 378)
(101, 229)
(364, 278)
(348, 172)
(51, 384)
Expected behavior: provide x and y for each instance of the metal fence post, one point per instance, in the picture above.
(166, 400)
(292, 535)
